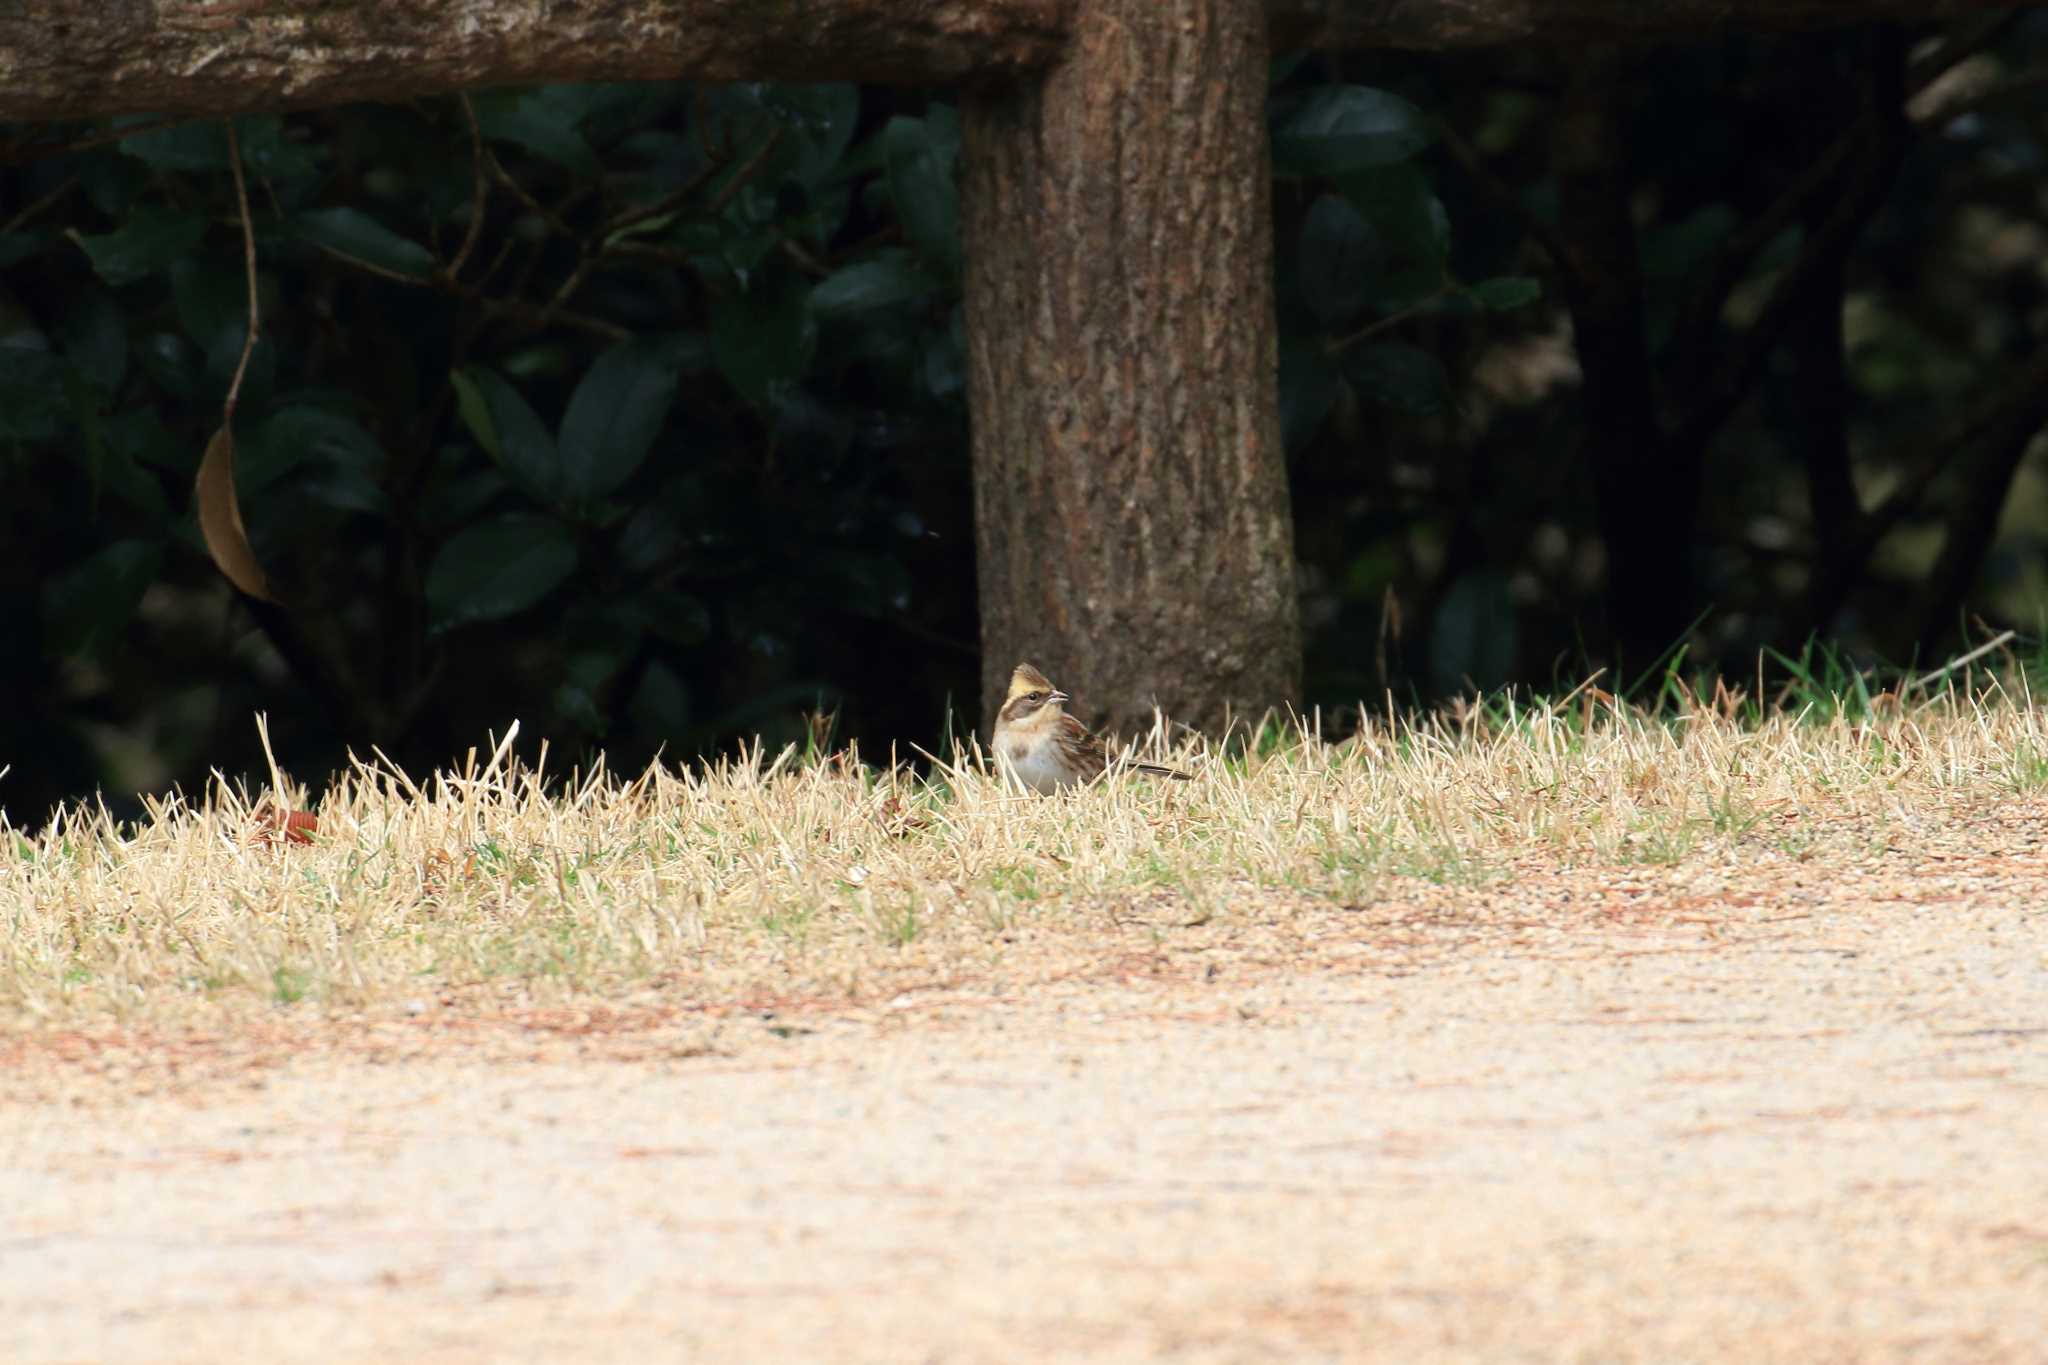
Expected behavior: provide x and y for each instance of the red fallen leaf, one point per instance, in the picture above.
(297, 826)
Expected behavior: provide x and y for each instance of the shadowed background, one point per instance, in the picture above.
(635, 411)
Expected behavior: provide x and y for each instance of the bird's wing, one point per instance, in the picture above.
(1106, 747)
(1091, 754)
(1085, 750)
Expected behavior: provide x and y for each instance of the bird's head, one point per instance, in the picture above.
(1031, 697)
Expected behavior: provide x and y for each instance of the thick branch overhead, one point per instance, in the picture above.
(76, 58)
(67, 59)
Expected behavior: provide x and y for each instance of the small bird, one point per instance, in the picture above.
(1044, 746)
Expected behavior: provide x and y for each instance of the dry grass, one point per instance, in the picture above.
(780, 877)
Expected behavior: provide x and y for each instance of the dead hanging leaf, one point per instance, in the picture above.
(220, 518)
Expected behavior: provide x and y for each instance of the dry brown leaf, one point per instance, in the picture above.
(220, 518)
(295, 826)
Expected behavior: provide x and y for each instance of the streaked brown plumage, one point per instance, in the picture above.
(1046, 748)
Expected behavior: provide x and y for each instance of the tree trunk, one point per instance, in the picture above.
(1131, 511)
(1648, 494)
(1991, 463)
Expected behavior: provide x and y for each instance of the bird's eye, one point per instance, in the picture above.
(1036, 696)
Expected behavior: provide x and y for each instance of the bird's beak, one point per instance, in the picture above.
(1058, 696)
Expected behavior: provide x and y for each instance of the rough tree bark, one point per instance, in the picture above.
(1131, 509)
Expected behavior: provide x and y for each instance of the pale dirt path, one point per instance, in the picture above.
(1808, 1127)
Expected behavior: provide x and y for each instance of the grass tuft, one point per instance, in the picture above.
(808, 865)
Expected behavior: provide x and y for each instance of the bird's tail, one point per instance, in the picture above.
(1160, 770)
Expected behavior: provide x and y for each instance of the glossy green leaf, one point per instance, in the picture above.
(942, 127)
(286, 165)
(614, 416)
(148, 242)
(219, 369)
(476, 414)
(173, 364)
(297, 434)
(823, 119)
(1342, 129)
(889, 277)
(354, 233)
(509, 430)
(652, 538)
(463, 498)
(1404, 210)
(201, 145)
(921, 184)
(1308, 390)
(763, 338)
(498, 569)
(546, 127)
(1339, 256)
(606, 112)
(212, 300)
(111, 464)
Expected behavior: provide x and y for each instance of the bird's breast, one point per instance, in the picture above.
(1037, 766)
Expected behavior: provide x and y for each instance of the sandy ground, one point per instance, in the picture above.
(1811, 1125)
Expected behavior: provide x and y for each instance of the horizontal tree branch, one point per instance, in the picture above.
(75, 59)
(62, 59)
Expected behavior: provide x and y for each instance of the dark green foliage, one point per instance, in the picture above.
(647, 426)
(919, 155)
(1339, 130)
(355, 236)
(496, 569)
(1437, 410)
(148, 243)
(655, 440)
(1396, 375)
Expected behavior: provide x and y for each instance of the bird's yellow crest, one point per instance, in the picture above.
(1026, 679)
